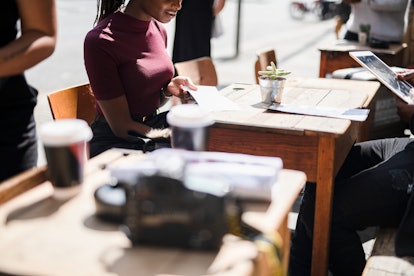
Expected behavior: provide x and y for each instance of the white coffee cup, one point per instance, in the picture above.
(189, 126)
(66, 148)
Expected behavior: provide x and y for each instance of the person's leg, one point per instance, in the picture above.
(374, 197)
(301, 245)
(367, 154)
(18, 145)
(366, 194)
(104, 139)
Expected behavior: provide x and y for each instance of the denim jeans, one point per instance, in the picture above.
(372, 188)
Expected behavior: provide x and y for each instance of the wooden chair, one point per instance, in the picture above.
(73, 102)
(201, 71)
(264, 57)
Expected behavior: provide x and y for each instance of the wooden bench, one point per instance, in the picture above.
(383, 260)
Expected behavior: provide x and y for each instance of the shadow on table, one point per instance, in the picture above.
(42, 208)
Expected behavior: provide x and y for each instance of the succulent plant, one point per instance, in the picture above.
(272, 72)
(365, 28)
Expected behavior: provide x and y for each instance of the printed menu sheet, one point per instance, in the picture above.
(354, 114)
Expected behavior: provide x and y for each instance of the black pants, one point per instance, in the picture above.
(104, 139)
(371, 189)
(18, 141)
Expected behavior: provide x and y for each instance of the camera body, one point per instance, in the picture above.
(160, 210)
(186, 198)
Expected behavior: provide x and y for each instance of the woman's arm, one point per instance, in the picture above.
(116, 112)
(37, 40)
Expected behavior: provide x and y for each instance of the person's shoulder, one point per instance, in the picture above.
(160, 27)
(93, 35)
(102, 31)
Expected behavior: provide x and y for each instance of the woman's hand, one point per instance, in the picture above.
(177, 86)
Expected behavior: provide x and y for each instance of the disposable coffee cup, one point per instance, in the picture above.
(189, 127)
(66, 145)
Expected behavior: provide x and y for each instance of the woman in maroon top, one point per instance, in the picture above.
(130, 72)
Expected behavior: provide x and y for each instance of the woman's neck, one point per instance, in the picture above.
(133, 9)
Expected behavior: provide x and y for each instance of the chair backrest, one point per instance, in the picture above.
(201, 71)
(264, 57)
(73, 102)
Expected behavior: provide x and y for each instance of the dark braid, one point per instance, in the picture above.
(106, 7)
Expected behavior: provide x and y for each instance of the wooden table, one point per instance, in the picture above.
(42, 236)
(314, 145)
(336, 55)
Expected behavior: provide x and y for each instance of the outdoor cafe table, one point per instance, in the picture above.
(314, 145)
(43, 236)
(335, 55)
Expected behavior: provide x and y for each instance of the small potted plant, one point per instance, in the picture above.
(271, 83)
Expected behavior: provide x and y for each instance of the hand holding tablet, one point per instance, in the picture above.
(385, 75)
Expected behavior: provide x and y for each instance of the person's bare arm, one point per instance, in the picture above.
(117, 114)
(37, 40)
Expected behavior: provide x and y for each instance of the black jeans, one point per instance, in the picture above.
(104, 139)
(371, 189)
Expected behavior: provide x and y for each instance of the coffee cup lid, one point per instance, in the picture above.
(65, 131)
(189, 115)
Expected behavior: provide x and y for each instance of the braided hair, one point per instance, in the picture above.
(106, 7)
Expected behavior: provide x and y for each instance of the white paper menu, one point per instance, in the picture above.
(354, 114)
(209, 98)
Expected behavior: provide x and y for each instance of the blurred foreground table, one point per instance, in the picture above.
(315, 145)
(42, 236)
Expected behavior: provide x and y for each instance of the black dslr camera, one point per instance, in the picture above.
(186, 199)
(161, 211)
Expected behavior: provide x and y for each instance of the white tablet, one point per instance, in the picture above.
(384, 74)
